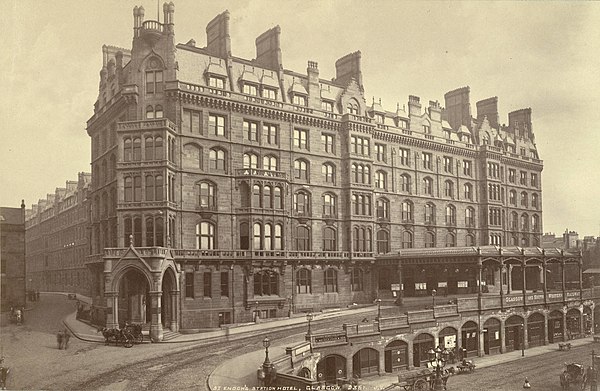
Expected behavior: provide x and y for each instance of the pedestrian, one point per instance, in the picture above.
(59, 339)
(3, 374)
(66, 337)
(37, 296)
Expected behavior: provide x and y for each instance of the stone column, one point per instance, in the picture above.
(580, 264)
(480, 350)
(112, 313)
(175, 310)
(509, 279)
(400, 299)
(156, 329)
(410, 355)
(562, 269)
(592, 307)
(349, 367)
(381, 368)
(581, 321)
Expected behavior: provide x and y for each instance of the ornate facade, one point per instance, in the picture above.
(226, 189)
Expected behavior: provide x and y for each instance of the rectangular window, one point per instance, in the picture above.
(216, 82)
(448, 164)
(380, 152)
(360, 145)
(299, 100)
(269, 93)
(493, 170)
(426, 129)
(379, 118)
(207, 284)
(403, 156)
(327, 142)
(189, 285)
(327, 106)
(534, 180)
(512, 175)
(225, 284)
(427, 158)
(403, 124)
(190, 123)
(154, 82)
(216, 124)
(467, 170)
(250, 89)
(301, 138)
(270, 134)
(251, 130)
(523, 178)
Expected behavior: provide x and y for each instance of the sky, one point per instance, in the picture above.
(542, 54)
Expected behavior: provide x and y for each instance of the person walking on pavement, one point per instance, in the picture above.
(66, 337)
(59, 339)
(3, 374)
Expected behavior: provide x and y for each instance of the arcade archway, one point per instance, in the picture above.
(133, 296)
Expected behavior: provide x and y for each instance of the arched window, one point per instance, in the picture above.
(158, 149)
(303, 281)
(270, 163)
(216, 159)
(525, 241)
(524, 200)
(331, 285)
(449, 189)
(383, 242)
(512, 197)
(514, 221)
(534, 201)
(266, 283)
(429, 213)
(257, 237)
(329, 239)
(278, 238)
(149, 232)
(450, 215)
(277, 200)
(524, 222)
(427, 186)
(158, 111)
(268, 237)
(301, 169)
(407, 211)
(356, 280)
(127, 149)
(383, 209)
(137, 149)
(137, 188)
(328, 172)
(250, 160)
(256, 196)
(470, 240)
(407, 239)
(149, 112)
(429, 239)
(362, 239)
(381, 180)
(267, 197)
(470, 217)
(450, 240)
(329, 205)
(302, 203)
(207, 195)
(149, 188)
(535, 223)
(468, 191)
(405, 183)
(244, 237)
(128, 189)
(149, 148)
(352, 107)
(302, 238)
(205, 236)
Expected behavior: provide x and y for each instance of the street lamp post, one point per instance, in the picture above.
(522, 340)
(267, 366)
(433, 292)
(378, 301)
(309, 318)
(438, 358)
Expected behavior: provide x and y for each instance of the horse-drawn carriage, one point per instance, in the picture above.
(573, 377)
(127, 336)
(418, 380)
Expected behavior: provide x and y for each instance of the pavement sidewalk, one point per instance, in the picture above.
(244, 375)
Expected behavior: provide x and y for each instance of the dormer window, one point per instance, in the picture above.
(426, 129)
(299, 100)
(403, 124)
(216, 82)
(327, 105)
(379, 118)
(269, 93)
(250, 89)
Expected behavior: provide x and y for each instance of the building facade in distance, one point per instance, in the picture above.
(225, 189)
(12, 257)
(57, 231)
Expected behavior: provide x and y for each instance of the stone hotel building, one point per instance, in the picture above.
(227, 189)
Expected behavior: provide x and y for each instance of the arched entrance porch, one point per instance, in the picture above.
(134, 295)
(396, 356)
(330, 368)
(170, 301)
(421, 345)
(573, 323)
(535, 329)
(470, 337)
(513, 328)
(491, 336)
(555, 326)
(365, 362)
